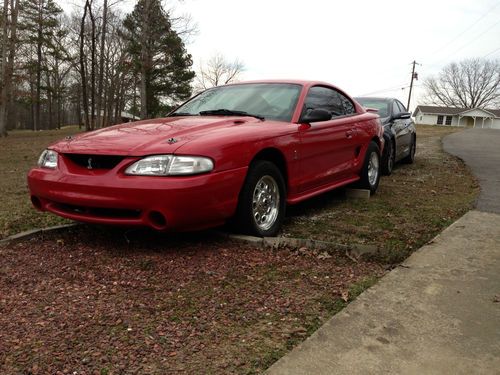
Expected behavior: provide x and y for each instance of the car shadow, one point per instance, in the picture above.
(121, 240)
(315, 204)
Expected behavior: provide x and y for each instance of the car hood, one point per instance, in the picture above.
(151, 136)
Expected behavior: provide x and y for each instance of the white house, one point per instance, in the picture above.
(475, 117)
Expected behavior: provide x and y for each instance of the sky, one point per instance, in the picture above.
(364, 47)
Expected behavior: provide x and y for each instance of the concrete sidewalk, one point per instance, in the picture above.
(438, 313)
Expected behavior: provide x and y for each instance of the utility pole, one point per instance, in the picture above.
(414, 75)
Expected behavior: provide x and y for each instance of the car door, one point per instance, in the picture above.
(326, 147)
(402, 131)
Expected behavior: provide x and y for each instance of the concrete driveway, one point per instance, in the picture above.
(480, 149)
(439, 312)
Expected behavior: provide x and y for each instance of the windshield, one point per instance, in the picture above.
(274, 101)
(381, 104)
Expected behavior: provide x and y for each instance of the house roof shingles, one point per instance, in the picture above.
(435, 110)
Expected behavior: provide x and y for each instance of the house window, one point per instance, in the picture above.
(448, 120)
(440, 120)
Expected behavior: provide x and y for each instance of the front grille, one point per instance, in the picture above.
(95, 161)
(117, 213)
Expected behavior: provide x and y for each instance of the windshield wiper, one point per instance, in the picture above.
(228, 112)
(182, 114)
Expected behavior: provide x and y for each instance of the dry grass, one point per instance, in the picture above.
(20, 152)
(411, 206)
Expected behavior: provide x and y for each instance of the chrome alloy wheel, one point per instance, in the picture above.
(373, 169)
(265, 202)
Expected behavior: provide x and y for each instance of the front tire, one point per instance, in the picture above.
(262, 202)
(370, 174)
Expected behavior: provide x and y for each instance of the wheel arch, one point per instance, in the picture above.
(378, 141)
(274, 156)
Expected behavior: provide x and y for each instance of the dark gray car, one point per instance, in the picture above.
(399, 131)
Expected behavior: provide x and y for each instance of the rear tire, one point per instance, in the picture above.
(413, 148)
(262, 202)
(370, 174)
(389, 158)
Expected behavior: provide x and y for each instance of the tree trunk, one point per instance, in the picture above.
(144, 60)
(49, 99)
(92, 69)
(79, 109)
(38, 66)
(57, 93)
(100, 118)
(32, 104)
(85, 99)
(3, 74)
(9, 46)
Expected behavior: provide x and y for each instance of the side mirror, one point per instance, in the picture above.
(401, 115)
(316, 115)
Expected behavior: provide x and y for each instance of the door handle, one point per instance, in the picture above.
(349, 133)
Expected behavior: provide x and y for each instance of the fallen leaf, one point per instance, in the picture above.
(345, 295)
(324, 255)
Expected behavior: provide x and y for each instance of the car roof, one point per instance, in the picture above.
(373, 98)
(290, 81)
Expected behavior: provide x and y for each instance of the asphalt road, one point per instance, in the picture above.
(480, 150)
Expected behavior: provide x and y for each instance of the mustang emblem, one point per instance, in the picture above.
(89, 163)
(171, 141)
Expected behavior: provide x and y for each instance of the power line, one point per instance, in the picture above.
(492, 52)
(477, 37)
(383, 90)
(439, 62)
(468, 28)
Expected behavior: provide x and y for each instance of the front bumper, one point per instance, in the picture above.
(163, 203)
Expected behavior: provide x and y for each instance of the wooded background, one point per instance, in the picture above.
(97, 66)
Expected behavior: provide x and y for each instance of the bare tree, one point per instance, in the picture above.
(146, 59)
(9, 30)
(83, 70)
(59, 63)
(100, 87)
(217, 71)
(470, 83)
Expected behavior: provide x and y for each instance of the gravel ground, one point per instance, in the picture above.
(102, 301)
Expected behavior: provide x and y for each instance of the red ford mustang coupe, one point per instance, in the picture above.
(241, 151)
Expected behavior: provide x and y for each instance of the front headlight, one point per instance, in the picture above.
(170, 165)
(48, 159)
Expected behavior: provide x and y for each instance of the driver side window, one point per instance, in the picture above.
(395, 108)
(330, 100)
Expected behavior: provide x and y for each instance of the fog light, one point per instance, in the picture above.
(157, 220)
